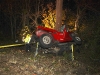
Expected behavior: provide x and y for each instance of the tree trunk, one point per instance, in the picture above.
(76, 23)
(12, 34)
(23, 19)
(59, 4)
(15, 27)
(77, 19)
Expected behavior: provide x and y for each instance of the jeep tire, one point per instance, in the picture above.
(76, 39)
(45, 40)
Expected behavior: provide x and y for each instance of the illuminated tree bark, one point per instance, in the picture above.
(59, 4)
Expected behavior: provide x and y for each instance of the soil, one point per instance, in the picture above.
(16, 61)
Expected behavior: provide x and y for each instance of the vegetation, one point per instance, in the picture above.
(84, 15)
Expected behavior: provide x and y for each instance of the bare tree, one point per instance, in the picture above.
(82, 6)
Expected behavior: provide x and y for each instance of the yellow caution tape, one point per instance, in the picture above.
(12, 45)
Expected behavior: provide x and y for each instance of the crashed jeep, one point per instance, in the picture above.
(53, 40)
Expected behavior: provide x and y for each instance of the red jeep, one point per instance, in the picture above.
(50, 38)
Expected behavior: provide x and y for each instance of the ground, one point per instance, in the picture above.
(15, 61)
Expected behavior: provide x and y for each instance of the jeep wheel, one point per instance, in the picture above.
(76, 39)
(46, 40)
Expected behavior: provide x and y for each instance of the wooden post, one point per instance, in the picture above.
(72, 47)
